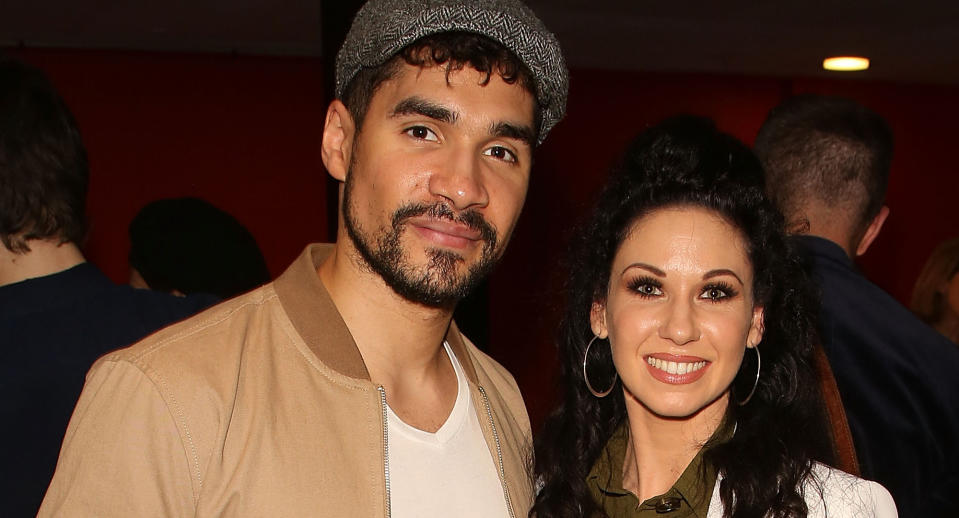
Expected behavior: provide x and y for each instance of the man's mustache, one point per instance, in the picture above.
(471, 218)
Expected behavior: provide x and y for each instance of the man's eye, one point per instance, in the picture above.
(501, 153)
(422, 133)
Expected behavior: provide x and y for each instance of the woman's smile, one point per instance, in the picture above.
(676, 370)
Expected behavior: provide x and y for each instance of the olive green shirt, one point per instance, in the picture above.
(688, 498)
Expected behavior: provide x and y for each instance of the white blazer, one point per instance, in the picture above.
(843, 496)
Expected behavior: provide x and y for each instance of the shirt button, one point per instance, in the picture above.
(668, 504)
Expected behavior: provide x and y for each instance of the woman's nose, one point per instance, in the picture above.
(679, 324)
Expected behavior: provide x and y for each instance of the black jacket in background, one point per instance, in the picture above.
(899, 382)
(52, 329)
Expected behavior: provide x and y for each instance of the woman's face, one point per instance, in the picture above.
(679, 310)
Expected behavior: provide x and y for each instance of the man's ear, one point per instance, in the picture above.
(338, 132)
(597, 320)
(872, 231)
(757, 328)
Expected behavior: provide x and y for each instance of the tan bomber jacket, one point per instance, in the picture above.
(260, 406)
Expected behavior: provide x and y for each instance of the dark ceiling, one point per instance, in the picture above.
(918, 42)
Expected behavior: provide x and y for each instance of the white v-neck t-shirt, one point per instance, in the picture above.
(447, 473)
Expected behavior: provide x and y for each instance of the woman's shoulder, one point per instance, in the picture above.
(837, 494)
(831, 493)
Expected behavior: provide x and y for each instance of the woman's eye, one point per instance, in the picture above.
(422, 133)
(714, 294)
(647, 290)
(501, 153)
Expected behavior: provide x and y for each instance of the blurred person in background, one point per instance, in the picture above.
(58, 313)
(935, 299)
(827, 162)
(186, 245)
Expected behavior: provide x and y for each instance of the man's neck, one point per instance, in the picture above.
(401, 342)
(45, 257)
(827, 224)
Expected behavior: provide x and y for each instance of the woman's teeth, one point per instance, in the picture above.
(675, 367)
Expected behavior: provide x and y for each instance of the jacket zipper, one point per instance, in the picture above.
(499, 451)
(386, 448)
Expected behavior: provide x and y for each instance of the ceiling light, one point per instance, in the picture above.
(845, 63)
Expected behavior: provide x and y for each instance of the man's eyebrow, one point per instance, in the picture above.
(419, 106)
(515, 131)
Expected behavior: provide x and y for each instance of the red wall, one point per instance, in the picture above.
(243, 132)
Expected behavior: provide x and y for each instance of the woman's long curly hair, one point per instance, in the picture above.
(686, 161)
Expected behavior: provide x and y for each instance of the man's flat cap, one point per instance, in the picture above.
(382, 28)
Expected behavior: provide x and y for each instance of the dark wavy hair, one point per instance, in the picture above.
(686, 161)
(43, 164)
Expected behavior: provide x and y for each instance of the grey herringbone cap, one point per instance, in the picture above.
(384, 27)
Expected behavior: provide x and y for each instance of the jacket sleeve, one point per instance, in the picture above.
(883, 504)
(123, 454)
(836, 494)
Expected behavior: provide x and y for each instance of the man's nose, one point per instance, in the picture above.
(460, 180)
(679, 323)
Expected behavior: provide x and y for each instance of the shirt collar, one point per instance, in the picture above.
(55, 290)
(823, 247)
(694, 487)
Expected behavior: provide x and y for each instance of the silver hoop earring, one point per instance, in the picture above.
(759, 365)
(586, 376)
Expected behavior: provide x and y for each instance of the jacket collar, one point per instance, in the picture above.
(823, 248)
(315, 317)
(81, 282)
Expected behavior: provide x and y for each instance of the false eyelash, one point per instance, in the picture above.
(636, 283)
(723, 287)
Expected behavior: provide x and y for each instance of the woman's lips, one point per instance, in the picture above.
(676, 370)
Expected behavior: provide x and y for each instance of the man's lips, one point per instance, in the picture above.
(445, 232)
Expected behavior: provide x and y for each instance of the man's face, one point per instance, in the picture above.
(437, 179)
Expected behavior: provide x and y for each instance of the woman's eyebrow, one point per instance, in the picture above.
(722, 272)
(648, 267)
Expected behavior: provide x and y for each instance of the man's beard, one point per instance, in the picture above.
(437, 284)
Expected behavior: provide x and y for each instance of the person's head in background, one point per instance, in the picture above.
(186, 245)
(827, 163)
(43, 176)
(935, 299)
